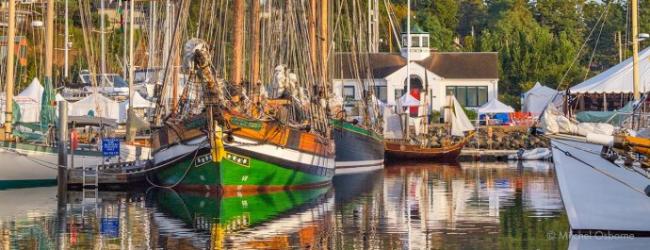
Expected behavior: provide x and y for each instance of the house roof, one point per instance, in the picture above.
(381, 65)
(450, 65)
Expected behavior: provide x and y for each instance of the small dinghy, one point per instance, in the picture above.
(537, 154)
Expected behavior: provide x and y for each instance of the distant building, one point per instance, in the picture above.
(472, 77)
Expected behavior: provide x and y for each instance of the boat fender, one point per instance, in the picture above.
(647, 191)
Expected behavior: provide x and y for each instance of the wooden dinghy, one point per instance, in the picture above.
(446, 154)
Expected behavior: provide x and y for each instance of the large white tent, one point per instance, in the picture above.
(618, 79)
(495, 106)
(97, 105)
(537, 98)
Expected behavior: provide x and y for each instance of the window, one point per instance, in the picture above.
(425, 42)
(469, 96)
(381, 92)
(398, 93)
(348, 93)
(415, 41)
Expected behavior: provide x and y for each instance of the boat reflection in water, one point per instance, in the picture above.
(275, 220)
(475, 206)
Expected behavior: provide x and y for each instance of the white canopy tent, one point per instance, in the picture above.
(408, 100)
(495, 106)
(537, 98)
(139, 102)
(618, 79)
(97, 105)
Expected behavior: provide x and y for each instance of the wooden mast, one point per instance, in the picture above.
(635, 49)
(313, 43)
(237, 48)
(130, 129)
(255, 42)
(11, 41)
(324, 32)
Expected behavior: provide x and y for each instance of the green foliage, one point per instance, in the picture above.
(471, 114)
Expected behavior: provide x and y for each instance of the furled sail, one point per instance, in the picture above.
(457, 117)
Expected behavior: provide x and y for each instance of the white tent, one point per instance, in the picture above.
(495, 106)
(139, 102)
(29, 102)
(97, 105)
(618, 79)
(408, 100)
(537, 98)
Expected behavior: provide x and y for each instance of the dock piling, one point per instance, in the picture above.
(62, 146)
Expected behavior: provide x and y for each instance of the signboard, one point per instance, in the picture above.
(110, 227)
(110, 147)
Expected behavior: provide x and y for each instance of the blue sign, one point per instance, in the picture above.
(110, 147)
(110, 227)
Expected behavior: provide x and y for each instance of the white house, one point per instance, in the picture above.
(472, 77)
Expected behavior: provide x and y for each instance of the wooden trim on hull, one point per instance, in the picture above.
(245, 190)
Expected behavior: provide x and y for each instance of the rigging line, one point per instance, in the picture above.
(584, 44)
(601, 171)
(593, 53)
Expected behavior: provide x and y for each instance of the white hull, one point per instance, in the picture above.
(597, 194)
(356, 167)
(21, 164)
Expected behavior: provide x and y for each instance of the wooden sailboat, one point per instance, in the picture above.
(359, 141)
(404, 148)
(401, 144)
(227, 147)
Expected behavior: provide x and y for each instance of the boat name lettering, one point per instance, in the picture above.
(246, 123)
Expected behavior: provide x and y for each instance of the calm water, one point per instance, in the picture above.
(495, 206)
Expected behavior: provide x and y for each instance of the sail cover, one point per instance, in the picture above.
(457, 117)
(392, 124)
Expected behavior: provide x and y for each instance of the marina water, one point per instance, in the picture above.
(411, 206)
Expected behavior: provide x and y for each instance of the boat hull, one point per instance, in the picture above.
(599, 195)
(34, 166)
(402, 151)
(357, 150)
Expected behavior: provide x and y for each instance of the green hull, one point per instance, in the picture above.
(26, 184)
(234, 212)
(237, 171)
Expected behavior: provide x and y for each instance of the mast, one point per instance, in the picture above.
(11, 40)
(408, 63)
(130, 130)
(66, 47)
(175, 72)
(324, 32)
(255, 43)
(102, 42)
(313, 43)
(237, 48)
(635, 49)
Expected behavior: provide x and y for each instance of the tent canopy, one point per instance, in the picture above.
(408, 100)
(34, 91)
(618, 79)
(537, 98)
(495, 106)
(95, 105)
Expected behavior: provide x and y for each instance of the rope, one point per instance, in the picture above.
(196, 153)
(599, 170)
